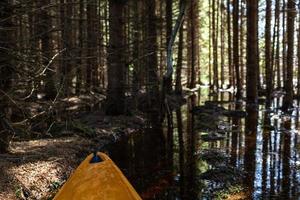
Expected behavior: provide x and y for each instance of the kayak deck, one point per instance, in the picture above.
(100, 180)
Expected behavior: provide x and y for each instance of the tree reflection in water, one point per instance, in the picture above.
(263, 146)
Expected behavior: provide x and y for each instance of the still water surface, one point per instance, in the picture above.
(257, 157)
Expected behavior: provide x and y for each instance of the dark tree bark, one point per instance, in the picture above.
(67, 44)
(215, 42)
(210, 44)
(151, 61)
(241, 39)
(44, 27)
(178, 86)
(222, 43)
(169, 26)
(193, 40)
(275, 48)
(288, 84)
(6, 69)
(252, 58)
(91, 68)
(116, 65)
(79, 68)
(268, 66)
(298, 57)
(229, 50)
(284, 42)
(236, 63)
(137, 50)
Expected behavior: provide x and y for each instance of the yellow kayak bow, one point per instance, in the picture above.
(101, 180)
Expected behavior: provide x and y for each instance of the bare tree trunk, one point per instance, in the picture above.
(230, 71)
(116, 64)
(241, 49)
(178, 86)
(215, 42)
(91, 71)
(79, 68)
(210, 43)
(151, 51)
(275, 48)
(169, 26)
(6, 69)
(44, 27)
(222, 43)
(66, 35)
(298, 57)
(252, 62)
(288, 85)
(193, 50)
(136, 51)
(236, 47)
(268, 66)
(284, 37)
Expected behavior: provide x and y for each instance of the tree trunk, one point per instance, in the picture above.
(288, 85)
(137, 50)
(193, 40)
(5, 70)
(236, 63)
(45, 37)
(178, 86)
(252, 62)
(116, 65)
(298, 57)
(66, 36)
(222, 43)
(79, 67)
(229, 50)
(241, 39)
(215, 42)
(91, 72)
(284, 42)
(169, 26)
(268, 66)
(151, 61)
(210, 44)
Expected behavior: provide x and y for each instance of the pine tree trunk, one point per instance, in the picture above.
(236, 63)
(169, 26)
(268, 66)
(229, 50)
(215, 42)
(193, 40)
(288, 85)
(284, 37)
(241, 39)
(151, 60)
(178, 86)
(252, 58)
(91, 73)
(66, 35)
(45, 37)
(79, 68)
(115, 104)
(222, 43)
(6, 69)
(210, 45)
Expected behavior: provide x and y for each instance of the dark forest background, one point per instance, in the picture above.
(113, 53)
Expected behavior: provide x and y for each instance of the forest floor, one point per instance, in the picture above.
(35, 169)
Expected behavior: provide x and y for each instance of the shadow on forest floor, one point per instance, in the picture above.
(35, 169)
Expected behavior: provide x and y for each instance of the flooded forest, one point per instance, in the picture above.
(191, 99)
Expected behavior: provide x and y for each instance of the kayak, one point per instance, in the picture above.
(97, 177)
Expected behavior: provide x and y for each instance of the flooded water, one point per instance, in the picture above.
(255, 157)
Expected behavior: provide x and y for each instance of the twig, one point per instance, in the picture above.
(50, 62)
